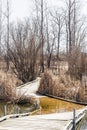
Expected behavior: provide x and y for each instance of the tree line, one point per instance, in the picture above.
(30, 45)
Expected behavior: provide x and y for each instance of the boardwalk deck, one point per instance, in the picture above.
(57, 121)
(29, 89)
(32, 123)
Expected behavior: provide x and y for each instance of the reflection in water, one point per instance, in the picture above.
(48, 105)
(14, 109)
(51, 105)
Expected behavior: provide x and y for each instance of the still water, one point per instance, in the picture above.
(48, 105)
(14, 109)
(51, 105)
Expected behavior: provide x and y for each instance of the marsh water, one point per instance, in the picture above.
(13, 109)
(48, 105)
(51, 105)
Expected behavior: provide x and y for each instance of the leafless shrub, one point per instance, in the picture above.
(23, 52)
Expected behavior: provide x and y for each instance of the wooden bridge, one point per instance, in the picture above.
(56, 121)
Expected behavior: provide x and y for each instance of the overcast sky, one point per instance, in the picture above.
(23, 8)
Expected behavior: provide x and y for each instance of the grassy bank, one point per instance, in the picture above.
(8, 85)
(62, 86)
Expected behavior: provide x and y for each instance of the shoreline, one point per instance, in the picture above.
(63, 99)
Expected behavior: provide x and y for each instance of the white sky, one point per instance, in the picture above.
(22, 8)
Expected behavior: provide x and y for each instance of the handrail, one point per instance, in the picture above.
(17, 115)
(69, 126)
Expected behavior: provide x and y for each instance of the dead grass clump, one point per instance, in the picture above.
(25, 100)
(81, 95)
(7, 92)
(46, 84)
(8, 84)
(61, 86)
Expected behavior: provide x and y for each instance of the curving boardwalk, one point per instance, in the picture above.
(29, 89)
(57, 121)
(33, 123)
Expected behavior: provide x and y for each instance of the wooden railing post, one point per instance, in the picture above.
(5, 110)
(74, 119)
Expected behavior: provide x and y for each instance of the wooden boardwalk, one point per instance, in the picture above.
(32, 123)
(57, 121)
(29, 89)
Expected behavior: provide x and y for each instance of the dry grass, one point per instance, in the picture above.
(81, 95)
(61, 86)
(8, 84)
(25, 100)
(45, 83)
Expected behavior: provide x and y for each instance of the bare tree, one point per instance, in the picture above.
(39, 22)
(0, 26)
(58, 20)
(71, 23)
(8, 16)
(51, 38)
(75, 37)
(7, 39)
(42, 39)
(23, 51)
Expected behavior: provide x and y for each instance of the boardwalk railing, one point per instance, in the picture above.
(15, 112)
(78, 117)
(31, 111)
(17, 115)
(15, 109)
